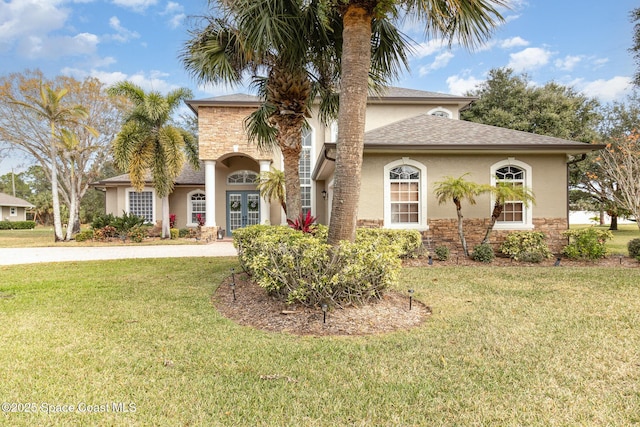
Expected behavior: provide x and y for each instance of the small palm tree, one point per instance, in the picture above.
(504, 193)
(458, 189)
(148, 143)
(272, 187)
(50, 107)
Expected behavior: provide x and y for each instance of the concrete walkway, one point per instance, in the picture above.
(12, 256)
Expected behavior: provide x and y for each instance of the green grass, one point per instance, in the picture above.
(44, 237)
(505, 346)
(621, 237)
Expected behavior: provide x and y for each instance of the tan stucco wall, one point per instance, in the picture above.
(548, 173)
(382, 115)
(5, 214)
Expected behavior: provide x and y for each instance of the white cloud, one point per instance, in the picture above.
(122, 35)
(460, 85)
(35, 47)
(177, 20)
(513, 42)
(427, 48)
(529, 58)
(154, 80)
(136, 5)
(173, 7)
(22, 19)
(440, 61)
(605, 90)
(568, 62)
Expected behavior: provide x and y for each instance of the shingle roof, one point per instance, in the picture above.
(389, 94)
(427, 131)
(7, 200)
(188, 176)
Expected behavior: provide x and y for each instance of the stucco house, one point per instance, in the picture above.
(13, 208)
(413, 139)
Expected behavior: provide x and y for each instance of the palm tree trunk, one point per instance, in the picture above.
(55, 198)
(166, 227)
(463, 240)
(356, 62)
(497, 211)
(291, 157)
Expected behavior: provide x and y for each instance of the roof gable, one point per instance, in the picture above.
(188, 176)
(426, 130)
(7, 200)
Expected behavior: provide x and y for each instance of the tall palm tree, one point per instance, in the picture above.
(291, 49)
(458, 189)
(502, 193)
(51, 107)
(148, 143)
(272, 187)
(468, 22)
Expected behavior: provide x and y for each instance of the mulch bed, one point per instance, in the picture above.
(255, 308)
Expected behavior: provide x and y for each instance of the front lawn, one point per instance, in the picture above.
(505, 346)
(42, 236)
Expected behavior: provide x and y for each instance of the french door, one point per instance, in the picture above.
(243, 208)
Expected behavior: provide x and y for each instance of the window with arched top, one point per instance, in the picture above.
(516, 213)
(404, 194)
(242, 178)
(440, 112)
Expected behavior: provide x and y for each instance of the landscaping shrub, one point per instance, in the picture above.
(174, 233)
(634, 248)
(17, 225)
(138, 233)
(442, 253)
(84, 236)
(105, 233)
(587, 243)
(184, 232)
(409, 242)
(127, 222)
(101, 221)
(483, 253)
(301, 267)
(527, 246)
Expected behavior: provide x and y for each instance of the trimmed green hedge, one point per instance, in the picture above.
(304, 268)
(17, 225)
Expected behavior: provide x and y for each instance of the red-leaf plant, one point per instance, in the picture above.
(303, 223)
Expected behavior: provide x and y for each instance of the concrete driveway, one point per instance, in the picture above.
(12, 256)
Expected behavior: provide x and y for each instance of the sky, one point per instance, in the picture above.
(578, 43)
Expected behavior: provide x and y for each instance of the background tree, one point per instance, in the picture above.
(467, 22)
(149, 144)
(590, 179)
(621, 163)
(11, 181)
(510, 101)
(635, 48)
(22, 131)
(49, 107)
(457, 190)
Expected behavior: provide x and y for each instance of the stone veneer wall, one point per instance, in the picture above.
(445, 232)
(222, 128)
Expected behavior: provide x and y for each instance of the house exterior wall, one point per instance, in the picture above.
(5, 214)
(379, 115)
(548, 184)
(221, 131)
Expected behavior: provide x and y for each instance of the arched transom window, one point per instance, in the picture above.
(242, 178)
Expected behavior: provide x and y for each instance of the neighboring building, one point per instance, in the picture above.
(13, 208)
(413, 139)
